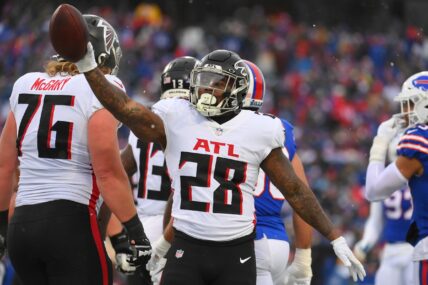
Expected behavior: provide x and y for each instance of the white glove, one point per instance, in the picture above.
(156, 273)
(385, 133)
(361, 250)
(344, 253)
(159, 250)
(87, 63)
(300, 271)
(123, 265)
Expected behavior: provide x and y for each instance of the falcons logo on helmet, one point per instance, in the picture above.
(109, 35)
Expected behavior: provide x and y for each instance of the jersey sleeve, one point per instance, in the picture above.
(13, 99)
(290, 144)
(276, 138)
(414, 144)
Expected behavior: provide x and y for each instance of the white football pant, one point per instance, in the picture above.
(396, 266)
(271, 261)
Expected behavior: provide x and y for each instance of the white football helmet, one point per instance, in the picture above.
(413, 99)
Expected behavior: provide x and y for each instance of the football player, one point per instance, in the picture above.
(390, 220)
(67, 148)
(146, 160)
(408, 168)
(271, 245)
(214, 150)
(272, 242)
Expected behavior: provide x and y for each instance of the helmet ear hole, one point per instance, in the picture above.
(101, 59)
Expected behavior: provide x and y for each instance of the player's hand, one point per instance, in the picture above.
(140, 244)
(388, 129)
(300, 271)
(360, 251)
(122, 247)
(156, 265)
(141, 252)
(87, 63)
(344, 253)
(385, 133)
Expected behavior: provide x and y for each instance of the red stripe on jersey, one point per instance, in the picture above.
(415, 138)
(70, 132)
(209, 171)
(240, 191)
(424, 273)
(413, 146)
(96, 231)
(48, 143)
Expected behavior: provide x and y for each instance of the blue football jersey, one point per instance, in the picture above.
(269, 200)
(397, 213)
(414, 144)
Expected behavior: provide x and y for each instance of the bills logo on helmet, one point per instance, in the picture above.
(421, 83)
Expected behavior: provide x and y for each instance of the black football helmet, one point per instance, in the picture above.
(220, 72)
(105, 42)
(175, 78)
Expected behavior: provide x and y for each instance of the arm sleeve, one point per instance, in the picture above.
(373, 227)
(381, 182)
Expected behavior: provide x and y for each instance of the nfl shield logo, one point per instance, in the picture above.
(219, 131)
(179, 253)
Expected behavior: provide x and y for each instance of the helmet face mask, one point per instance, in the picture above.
(175, 78)
(413, 100)
(105, 42)
(219, 83)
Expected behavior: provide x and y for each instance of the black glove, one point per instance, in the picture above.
(140, 244)
(3, 231)
(122, 247)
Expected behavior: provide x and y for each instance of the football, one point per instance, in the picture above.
(68, 32)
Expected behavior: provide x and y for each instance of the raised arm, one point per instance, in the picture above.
(145, 124)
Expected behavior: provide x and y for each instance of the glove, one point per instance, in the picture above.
(300, 271)
(122, 247)
(87, 63)
(385, 133)
(3, 231)
(160, 249)
(361, 250)
(156, 273)
(157, 261)
(140, 244)
(344, 253)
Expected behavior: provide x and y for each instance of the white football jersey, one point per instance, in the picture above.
(153, 182)
(214, 168)
(52, 116)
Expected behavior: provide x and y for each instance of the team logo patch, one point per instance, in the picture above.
(179, 253)
(421, 82)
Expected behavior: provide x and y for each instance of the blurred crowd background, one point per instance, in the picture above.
(332, 68)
